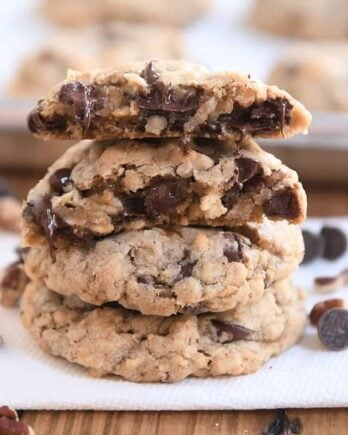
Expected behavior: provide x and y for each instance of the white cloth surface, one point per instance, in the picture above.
(307, 375)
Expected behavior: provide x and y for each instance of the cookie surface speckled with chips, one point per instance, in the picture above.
(165, 99)
(100, 188)
(163, 271)
(142, 348)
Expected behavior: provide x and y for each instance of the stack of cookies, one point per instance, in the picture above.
(162, 247)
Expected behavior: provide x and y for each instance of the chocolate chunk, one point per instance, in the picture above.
(231, 331)
(164, 195)
(145, 279)
(284, 205)
(325, 280)
(42, 214)
(5, 188)
(231, 197)
(314, 246)
(133, 206)
(36, 122)
(333, 329)
(335, 242)
(84, 99)
(187, 268)
(233, 250)
(150, 74)
(260, 118)
(246, 169)
(165, 99)
(60, 180)
(282, 425)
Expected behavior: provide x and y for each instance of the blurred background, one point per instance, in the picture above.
(300, 45)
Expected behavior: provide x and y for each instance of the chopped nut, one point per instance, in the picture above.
(321, 307)
(329, 284)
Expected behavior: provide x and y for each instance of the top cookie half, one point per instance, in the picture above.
(165, 99)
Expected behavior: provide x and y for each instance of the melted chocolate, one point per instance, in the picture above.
(233, 250)
(233, 331)
(36, 122)
(60, 180)
(284, 205)
(84, 99)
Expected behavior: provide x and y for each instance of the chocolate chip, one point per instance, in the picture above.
(231, 331)
(150, 74)
(84, 99)
(333, 329)
(325, 280)
(314, 246)
(164, 195)
(260, 118)
(145, 279)
(282, 425)
(60, 180)
(321, 307)
(233, 250)
(335, 242)
(187, 268)
(36, 122)
(283, 205)
(246, 169)
(165, 99)
(42, 214)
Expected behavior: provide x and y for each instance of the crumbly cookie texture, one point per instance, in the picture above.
(165, 99)
(163, 271)
(99, 188)
(322, 86)
(323, 19)
(149, 348)
(78, 13)
(97, 47)
(13, 280)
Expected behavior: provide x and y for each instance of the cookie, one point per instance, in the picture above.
(163, 271)
(101, 47)
(99, 188)
(319, 85)
(165, 99)
(78, 13)
(323, 19)
(140, 348)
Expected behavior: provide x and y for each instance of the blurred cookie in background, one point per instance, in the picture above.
(316, 74)
(82, 12)
(321, 19)
(101, 47)
(10, 208)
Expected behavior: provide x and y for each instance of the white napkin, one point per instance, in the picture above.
(307, 375)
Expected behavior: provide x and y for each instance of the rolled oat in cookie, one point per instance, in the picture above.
(101, 188)
(165, 99)
(162, 271)
(140, 348)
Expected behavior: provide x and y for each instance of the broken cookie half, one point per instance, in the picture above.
(101, 188)
(165, 99)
